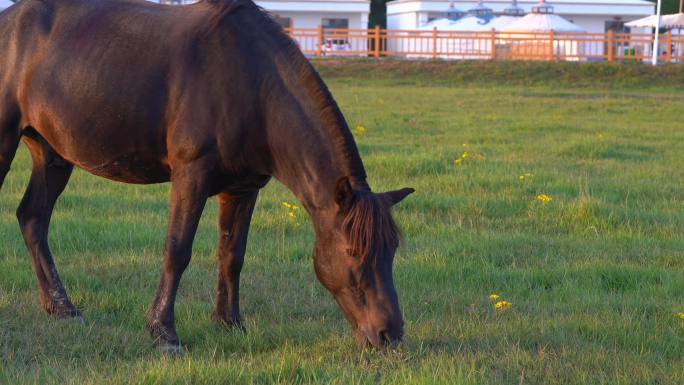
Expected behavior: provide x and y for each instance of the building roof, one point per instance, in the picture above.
(566, 7)
(351, 6)
(542, 22)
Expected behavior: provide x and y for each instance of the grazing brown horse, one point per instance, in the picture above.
(214, 98)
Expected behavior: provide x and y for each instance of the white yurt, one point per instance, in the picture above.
(502, 22)
(529, 36)
(542, 19)
(465, 39)
(468, 23)
(673, 22)
(510, 14)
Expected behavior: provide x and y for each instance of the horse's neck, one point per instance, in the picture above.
(314, 147)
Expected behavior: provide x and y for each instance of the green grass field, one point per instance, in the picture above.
(595, 276)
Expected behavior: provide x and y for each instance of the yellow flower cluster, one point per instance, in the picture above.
(499, 303)
(359, 130)
(468, 155)
(544, 198)
(681, 315)
(526, 175)
(292, 210)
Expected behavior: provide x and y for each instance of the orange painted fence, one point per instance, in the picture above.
(492, 44)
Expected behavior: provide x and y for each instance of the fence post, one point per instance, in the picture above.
(611, 39)
(668, 58)
(552, 53)
(493, 36)
(319, 45)
(377, 42)
(434, 43)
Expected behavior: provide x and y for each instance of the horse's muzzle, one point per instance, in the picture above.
(379, 337)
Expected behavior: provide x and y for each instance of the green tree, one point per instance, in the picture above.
(669, 6)
(378, 14)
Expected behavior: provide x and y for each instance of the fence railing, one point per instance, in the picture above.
(436, 44)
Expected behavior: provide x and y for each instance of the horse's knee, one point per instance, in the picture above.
(26, 218)
(177, 259)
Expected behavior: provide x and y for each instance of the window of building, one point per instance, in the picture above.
(335, 34)
(335, 23)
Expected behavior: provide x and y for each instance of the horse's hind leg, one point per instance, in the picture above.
(9, 137)
(49, 177)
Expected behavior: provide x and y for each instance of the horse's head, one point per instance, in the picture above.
(354, 261)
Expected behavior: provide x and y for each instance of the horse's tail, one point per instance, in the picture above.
(10, 116)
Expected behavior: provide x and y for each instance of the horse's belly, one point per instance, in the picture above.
(131, 168)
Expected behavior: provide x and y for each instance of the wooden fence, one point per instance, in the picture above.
(492, 44)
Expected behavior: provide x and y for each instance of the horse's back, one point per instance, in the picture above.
(98, 79)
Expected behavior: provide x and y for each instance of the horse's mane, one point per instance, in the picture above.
(341, 137)
(370, 227)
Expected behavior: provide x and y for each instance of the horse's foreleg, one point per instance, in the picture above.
(49, 177)
(189, 192)
(234, 218)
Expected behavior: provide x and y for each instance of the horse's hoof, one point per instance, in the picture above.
(66, 312)
(230, 324)
(169, 348)
(75, 319)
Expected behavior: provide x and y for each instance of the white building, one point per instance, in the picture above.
(5, 4)
(313, 13)
(593, 15)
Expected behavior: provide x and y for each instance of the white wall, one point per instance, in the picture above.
(595, 24)
(313, 19)
(404, 20)
(308, 14)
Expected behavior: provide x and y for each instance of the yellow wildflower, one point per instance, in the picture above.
(494, 296)
(458, 162)
(360, 130)
(287, 205)
(502, 305)
(465, 155)
(681, 315)
(544, 198)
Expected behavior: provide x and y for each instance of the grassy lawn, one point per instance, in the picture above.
(595, 275)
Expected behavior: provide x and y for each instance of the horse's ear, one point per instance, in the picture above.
(344, 194)
(397, 196)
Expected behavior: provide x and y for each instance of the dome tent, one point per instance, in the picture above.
(502, 22)
(452, 13)
(482, 11)
(542, 19)
(514, 10)
(529, 36)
